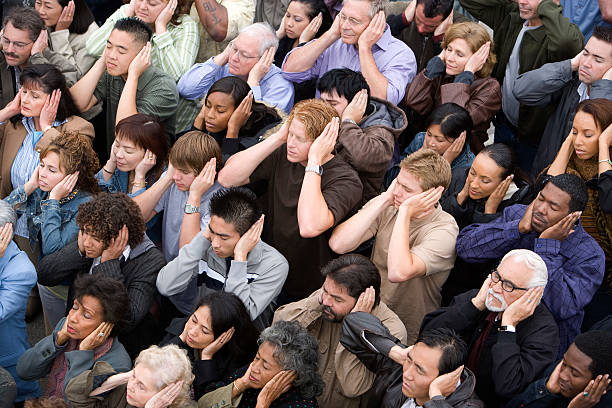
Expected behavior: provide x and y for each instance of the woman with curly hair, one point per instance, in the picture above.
(161, 377)
(284, 373)
(461, 73)
(112, 242)
(50, 199)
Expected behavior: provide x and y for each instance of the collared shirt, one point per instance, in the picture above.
(585, 14)
(273, 88)
(511, 105)
(575, 265)
(394, 59)
(583, 91)
(125, 255)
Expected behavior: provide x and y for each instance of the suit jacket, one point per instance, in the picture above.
(7, 85)
(12, 136)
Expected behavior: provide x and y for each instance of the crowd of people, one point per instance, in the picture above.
(306, 203)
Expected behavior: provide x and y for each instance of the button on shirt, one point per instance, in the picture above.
(394, 59)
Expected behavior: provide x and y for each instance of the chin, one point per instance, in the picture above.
(350, 40)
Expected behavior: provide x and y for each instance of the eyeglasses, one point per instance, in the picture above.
(505, 284)
(352, 21)
(241, 54)
(17, 44)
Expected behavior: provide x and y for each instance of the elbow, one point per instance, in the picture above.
(606, 14)
(394, 275)
(225, 178)
(217, 35)
(335, 243)
(309, 231)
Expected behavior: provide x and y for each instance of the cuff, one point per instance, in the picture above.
(435, 68)
(49, 205)
(379, 343)
(162, 40)
(466, 77)
(257, 93)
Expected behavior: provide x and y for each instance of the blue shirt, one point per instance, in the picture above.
(575, 265)
(273, 88)
(585, 14)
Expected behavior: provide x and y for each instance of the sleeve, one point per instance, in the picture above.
(604, 187)
(205, 373)
(162, 204)
(267, 167)
(601, 89)
(18, 277)
(64, 65)
(178, 48)
(342, 193)
(220, 398)
(258, 294)
(536, 391)
(196, 82)
(276, 91)
(16, 200)
(310, 73)
(420, 94)
(78, 390)
(416, 144)
(564, 37)
(97, 40)
(76, 52)
(62, 265)
(461, 315)
(101, 90)
(37, 361)
(543, 86)
(56, 233)
(490, 12)
(399, 73)
(437, 248)
(480, 242)
(369, 150)
(159, 98)
(176, 275)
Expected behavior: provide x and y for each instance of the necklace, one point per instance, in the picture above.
(69, 196)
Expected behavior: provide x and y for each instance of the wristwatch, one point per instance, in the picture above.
(315, 169)
(508, 328)
(191, 209)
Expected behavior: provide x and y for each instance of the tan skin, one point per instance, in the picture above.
(198, 334)
(85, 323)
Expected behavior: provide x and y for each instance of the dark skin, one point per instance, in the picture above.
(213, 17)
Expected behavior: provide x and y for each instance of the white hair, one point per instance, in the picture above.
(265, 32)
(376, 6)
(534, 262)
(7, 215)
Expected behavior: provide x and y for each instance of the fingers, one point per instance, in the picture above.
(600, 385)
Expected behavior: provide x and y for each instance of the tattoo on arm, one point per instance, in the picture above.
(210, 8)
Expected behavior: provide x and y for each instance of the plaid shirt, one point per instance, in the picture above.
(575, 265)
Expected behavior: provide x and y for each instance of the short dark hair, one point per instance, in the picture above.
(453, 119)
(314, 7)
(83, 16)
(603, 33)
(355, 272)
(345, 81)
(139, 30)
(105, 215)
(454, 349)
(111, 294)
(25, 19)
(575, 187)
(597, 344)
(227, 311)
(434, 8)
(236, 206)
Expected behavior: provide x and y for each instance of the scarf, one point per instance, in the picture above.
(595, 222)
(57, 375)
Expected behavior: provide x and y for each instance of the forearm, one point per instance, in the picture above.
(314, 217)
(176, 275)
(604, 159)
(178, 50)
(190, 226)
(559, 165)
(56, 232)
(147, 200)
(348, 235)
(240, 166)
(480, 242)
(83, 91)
(304, 57)
(213, 17)
(377, 82)
(127, 101)
(401, 262)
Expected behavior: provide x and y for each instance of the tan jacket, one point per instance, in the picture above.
(345, 377)
(12, 136)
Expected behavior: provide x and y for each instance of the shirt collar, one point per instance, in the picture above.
(9, 253)
(385, 40)
(583, 91)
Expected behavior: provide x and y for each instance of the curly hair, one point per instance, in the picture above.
(314, 114)
(76, 154)
(105, 215)
(476, 36)
(44, 402)
(296, 349)
(169, 364)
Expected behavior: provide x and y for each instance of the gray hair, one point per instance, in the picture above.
(376, 6)
(534, 262)
(7, 214)
(296, 349)
(265, 32)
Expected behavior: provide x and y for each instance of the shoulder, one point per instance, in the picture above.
(18, 265)
(77, 123)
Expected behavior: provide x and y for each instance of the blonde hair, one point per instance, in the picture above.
(169, 364)
(314, 114)
(429, 167)
(476, 36)
(193, 150)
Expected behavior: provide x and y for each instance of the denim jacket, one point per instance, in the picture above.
(118, 183)
(56, 222)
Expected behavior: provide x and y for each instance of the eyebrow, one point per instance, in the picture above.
(118, 46)
(216, 233)
(595, 55)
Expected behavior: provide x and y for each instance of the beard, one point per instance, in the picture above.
(329, 315)
(489, 302)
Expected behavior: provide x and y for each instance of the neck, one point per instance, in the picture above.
(37, 122)
(325, 160)
(124, 76)
(421, 400)
(534, 22)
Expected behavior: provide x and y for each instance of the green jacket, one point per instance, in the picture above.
(557, 39)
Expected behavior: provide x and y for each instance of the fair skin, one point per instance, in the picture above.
(54, 15)
(528, 10)
(427, 25)
(314, 217)
(353, 110)
(93, 247)
(50, 177)
(355, 27)
(459, 57)
(128, 157)
(445, 146)
(33, 102)
(297, 25)
(594, 62)
(226, 241)
(242, 55)
(156, 13)
(6, 235)
(85, 323)
(198, 333)
(16, 46)
(521, 303)
(190, 226)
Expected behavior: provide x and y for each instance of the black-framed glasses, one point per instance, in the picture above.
(505, 284)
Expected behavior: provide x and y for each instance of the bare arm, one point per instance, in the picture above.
(378, 83)
(559, 165)
(213, 17)
(83, 91)
(241, 165)
(190, 226)
(127, 102)
(149, 199)
(304, 57)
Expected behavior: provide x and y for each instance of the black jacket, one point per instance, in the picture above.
(365, 336)
(508, 361)
(138, 273)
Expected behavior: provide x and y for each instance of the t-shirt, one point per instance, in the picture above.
(156, 95)
(342, 191)
(433, 240)
(173, 204)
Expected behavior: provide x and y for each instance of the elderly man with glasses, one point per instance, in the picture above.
(512, 337)
(249, 56)
(549, 226)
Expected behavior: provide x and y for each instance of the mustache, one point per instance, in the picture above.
(10, 54)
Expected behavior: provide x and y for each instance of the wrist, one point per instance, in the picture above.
(314, 161)
(478, 304)
(240, 257)
(508, 320)
(434, 392)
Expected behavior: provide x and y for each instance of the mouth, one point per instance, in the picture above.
(583, 72)
(474, 192)
(210, 125)
(579, 152)
(70, 330)
(188, 339)
(253, 379)
(41, 183)
(538, 220)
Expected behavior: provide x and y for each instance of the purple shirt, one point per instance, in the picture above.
(575, 265)
(394, 59)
